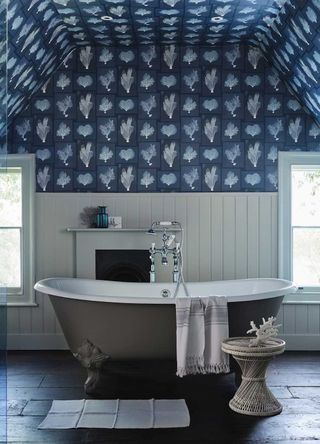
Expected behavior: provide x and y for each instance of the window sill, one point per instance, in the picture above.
(302, 298)
(19, 304)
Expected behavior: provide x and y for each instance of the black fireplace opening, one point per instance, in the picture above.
(123, 265)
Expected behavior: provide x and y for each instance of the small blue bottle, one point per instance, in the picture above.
(102, 218)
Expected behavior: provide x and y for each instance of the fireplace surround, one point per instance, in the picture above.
(88, 241)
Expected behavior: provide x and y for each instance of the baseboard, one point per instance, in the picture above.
(302, 342)
(36, 342)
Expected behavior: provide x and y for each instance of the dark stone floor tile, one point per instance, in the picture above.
(61, 380)
(293, 379)
(37, 408)
(28, 381)
(281, 392)
(286, 367)
(295, 406)
(45, 393)
(305, 392)
(12, 407)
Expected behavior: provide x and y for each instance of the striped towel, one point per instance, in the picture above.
(202, 323)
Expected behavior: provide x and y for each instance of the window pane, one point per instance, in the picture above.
(10, 197)
(306, 256)
(306, 197)
(10, 263)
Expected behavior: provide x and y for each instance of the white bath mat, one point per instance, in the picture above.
(117, 414)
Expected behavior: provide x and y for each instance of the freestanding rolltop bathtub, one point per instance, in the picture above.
(133, 321)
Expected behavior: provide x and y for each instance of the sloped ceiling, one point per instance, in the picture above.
(292, 44)
(186, 22)
(43, 32)
(38, 40)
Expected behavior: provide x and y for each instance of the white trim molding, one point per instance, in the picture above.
(26, 162)
(288, 160)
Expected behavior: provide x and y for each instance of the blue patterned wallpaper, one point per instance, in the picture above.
(3, 79)
(292, 44)
(42, 32)
(182, 22)
(162, 119)
(38, 41)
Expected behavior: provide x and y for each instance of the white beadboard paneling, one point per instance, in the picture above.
(289, 319)
(253, 236)
(314, 319)
(227, 236)
(264, 248)
(241, 235)
(217, 237)
(205, 238)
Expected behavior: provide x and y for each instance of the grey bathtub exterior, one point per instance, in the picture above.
(142, 331)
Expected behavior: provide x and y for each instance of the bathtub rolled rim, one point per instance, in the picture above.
(43, 286)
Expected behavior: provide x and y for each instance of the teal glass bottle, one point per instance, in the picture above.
(102, 218)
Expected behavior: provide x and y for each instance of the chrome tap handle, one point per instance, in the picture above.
(152, 272)
(175, 272)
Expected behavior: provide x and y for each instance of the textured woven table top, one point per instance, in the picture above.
(240, 346)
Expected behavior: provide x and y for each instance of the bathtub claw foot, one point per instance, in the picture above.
(93, 359)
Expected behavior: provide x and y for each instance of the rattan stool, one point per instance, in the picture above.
(253, 396)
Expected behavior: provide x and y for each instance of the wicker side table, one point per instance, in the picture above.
(253, 396)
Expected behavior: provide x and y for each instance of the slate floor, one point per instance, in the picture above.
(34, 379)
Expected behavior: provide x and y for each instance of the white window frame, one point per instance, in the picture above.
(26, 162)
(285, 163)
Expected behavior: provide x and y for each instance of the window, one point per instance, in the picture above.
(299, 222)
(16, 228)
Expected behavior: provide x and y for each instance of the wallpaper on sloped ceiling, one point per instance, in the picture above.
(186, 22)
(38, 41)
(162, 119)
(292, 44)
(3, 79)
(42, 32)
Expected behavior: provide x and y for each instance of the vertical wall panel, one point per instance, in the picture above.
(313, 319)
(144, 211)
(253, 236)
(168, 207)
(229, 239)
(13, 324)
(265, 215)
(192, 238)
(274, 235)
(241, 236)
(289, 319)
(133, 212)
(205, 238)
(217, 237)
(301, 324)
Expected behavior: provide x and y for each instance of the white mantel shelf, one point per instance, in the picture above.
(95, 230)
(118, 230)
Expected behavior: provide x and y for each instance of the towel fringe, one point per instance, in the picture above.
(194, 369)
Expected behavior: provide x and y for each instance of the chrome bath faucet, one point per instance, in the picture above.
(166, 249)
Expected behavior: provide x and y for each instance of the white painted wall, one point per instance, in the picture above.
(228, 236)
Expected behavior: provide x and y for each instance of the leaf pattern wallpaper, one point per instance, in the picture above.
(161, 95)
(165, 118)
(38, 41)
(292, 43)
(3, 79)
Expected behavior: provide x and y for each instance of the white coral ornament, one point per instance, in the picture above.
(266, 330)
